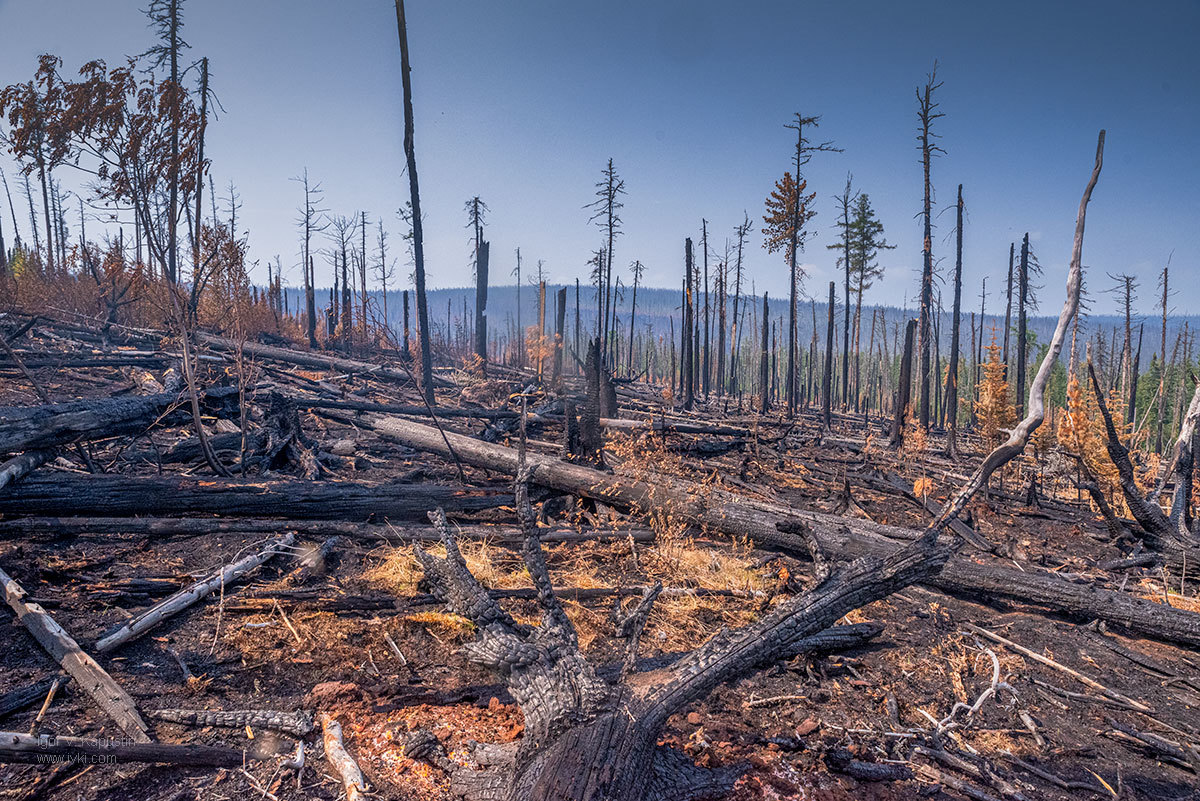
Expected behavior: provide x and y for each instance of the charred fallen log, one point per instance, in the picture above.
(17, 747)
(117, 495)
(163, 527)
(32, 427)
(715, 510)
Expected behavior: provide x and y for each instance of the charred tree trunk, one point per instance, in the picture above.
(952, 371)
(1022, 324)
(418, 240)
(115, 495)
(1012, 249)
(481, 292)
(1134, 377)
(764, 361)
(827, 379)
(560, 323)
(903, 387)
(688, 376)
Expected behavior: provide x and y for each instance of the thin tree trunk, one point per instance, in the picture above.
(952, 372)
(410, 155)
(827, 382)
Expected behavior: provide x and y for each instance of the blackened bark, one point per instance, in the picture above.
(952, 372)
(481, 293)
(764, 361)
(418, 240)
(827, 380)
(904, 387)
(1022, 324)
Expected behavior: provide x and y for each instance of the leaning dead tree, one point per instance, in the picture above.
(1017, 440)
(1173, 536)
(589, 738)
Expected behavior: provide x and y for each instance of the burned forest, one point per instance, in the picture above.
(328, 526)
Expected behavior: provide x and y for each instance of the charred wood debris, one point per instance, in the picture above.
(482, 598)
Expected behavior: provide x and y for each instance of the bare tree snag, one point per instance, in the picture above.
(587, 738)
(827, 379)
(342, 763)
(1019, 438)
(903, 387)
(955, 324)
(140, 624)
(418, 239)
(88, 675)
(764, 367)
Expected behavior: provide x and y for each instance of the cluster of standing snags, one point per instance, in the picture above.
(592, 733)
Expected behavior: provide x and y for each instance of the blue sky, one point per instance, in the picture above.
(523, 102)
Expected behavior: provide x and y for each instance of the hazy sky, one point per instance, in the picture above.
(522, 102)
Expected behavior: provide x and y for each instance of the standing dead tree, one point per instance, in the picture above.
(952, 372)
(1019, 438)
(476, 213)
(418, 239)
(589, 738)
(845, 203)
(926, 114)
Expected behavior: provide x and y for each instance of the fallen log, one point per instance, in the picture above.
(412, 411)
(24, 428)
(117, 495)
(298, 724)
(23, 464)
(24, 697)
(720, 511)
(88, 675)
(140, 624)
(163, 527)
(342, 763)
(17, 747)
(301, 358)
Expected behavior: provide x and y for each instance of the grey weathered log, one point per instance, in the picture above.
(340, 760)
(23, 464)
(299, 724)
(143, 622)
(18, 747)
(715, 510)
(88, 675)
(110, 495)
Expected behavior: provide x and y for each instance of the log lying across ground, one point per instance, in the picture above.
(140, 624)
(300, 358)
(720, 511)
(30, 427)
(17, 747)
(109, 495)
(151, 527)
(88, 675)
